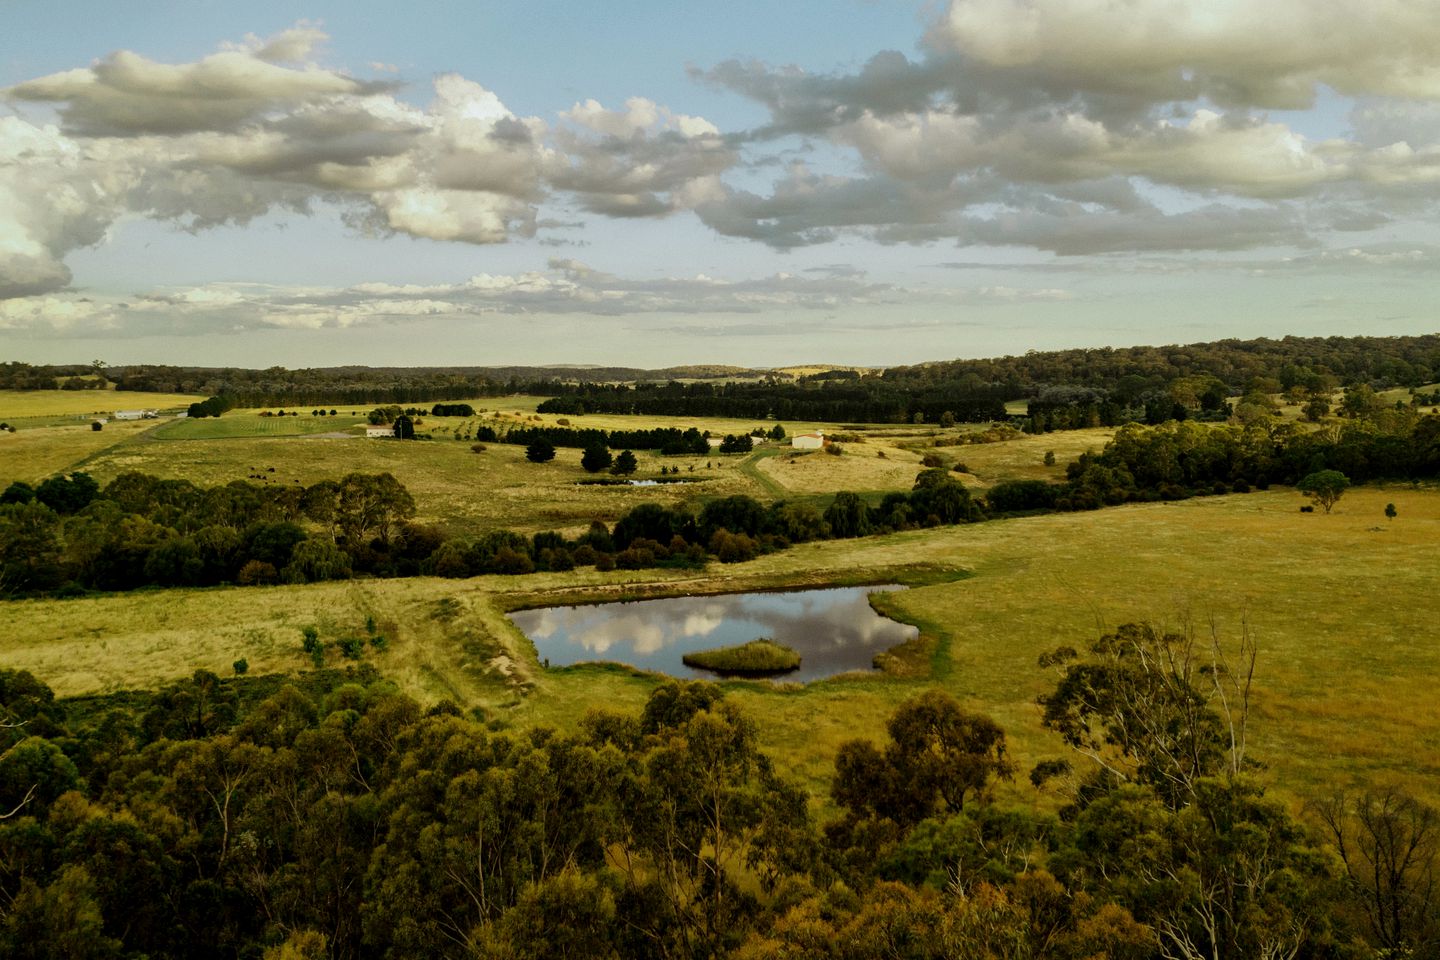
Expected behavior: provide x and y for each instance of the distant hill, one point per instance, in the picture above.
(815, 369)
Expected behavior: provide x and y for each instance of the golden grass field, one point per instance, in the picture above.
(16, 404)
(1340, 606)
(32, 455)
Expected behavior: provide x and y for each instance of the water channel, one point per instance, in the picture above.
(834, 630)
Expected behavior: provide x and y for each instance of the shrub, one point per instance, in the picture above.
(634, 558)
(257, 572)
(241, 666)
(733, 547)
(310, 639)
(834, 449)
(624, 464)
(1016, 495)
(596, 458)
(508, 560)
(557, 558)
(352, 647)
(931, 460)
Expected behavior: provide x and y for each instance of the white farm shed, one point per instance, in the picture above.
(808, 441)
(379, 430)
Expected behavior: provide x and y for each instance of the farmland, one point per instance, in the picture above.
(1339, 660)
(1344, 683)
(453, 485)
(362, 678)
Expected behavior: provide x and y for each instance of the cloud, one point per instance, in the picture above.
(642, 161)
(54, 198)
(1271, 55)
(1034, 99)
(126, 94)
(566, 287)
(807, 208)
(256, 126)
(1074, 231)
(809, 103)
(1079, 127)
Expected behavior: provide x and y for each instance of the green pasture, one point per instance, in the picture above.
(1339, 606)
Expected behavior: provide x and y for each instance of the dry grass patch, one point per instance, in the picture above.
(1024, 457)
(859, 468)
(33, 455)
(55, 403)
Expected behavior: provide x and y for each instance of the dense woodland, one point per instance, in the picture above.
(331, 816)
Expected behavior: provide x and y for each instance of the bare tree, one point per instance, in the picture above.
(1390, 845)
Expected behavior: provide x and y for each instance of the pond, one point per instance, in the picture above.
(834, 630)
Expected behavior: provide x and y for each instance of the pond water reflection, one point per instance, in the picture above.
(834, 630)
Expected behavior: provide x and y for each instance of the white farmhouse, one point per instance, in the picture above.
(379, 430)
(808, 441)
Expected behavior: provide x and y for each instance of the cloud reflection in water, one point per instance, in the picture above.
(834, 630)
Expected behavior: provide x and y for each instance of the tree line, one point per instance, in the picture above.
(667, 440)
(330, 816)
(864, 400)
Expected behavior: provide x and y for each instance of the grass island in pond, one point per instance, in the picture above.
(758, 658)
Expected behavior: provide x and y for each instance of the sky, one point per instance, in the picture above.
(763, 184)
